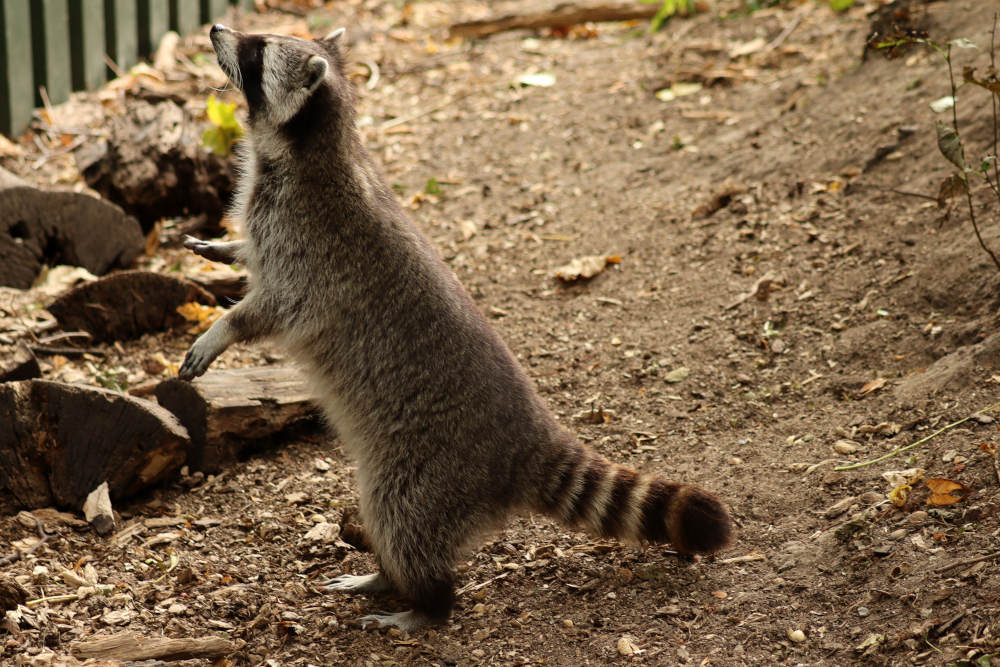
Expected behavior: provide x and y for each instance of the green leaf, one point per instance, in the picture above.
(432, 187)
(841, 5)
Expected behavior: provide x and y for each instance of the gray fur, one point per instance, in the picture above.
(447, 430)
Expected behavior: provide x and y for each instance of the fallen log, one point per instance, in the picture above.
(227, 412)
(42, 227)
(129, 647)
(563, 15)
(64, 440)
(127, 305)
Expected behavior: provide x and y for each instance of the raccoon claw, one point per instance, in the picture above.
(195, 364)
(407, 621)
(196, 246)
(354, 583)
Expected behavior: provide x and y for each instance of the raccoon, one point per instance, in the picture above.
(448, 433)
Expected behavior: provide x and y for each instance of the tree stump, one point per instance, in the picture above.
(154, 166)
(226, 412)
(20, 365)
(52, 227)
(127, 305)
(65, 440)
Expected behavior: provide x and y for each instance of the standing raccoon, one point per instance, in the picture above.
(448, 433)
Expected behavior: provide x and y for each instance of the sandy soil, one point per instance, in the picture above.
(822, 320)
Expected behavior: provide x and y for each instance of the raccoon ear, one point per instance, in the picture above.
(333, 39)
(316, 69)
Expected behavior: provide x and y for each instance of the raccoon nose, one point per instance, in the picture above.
(217, 28)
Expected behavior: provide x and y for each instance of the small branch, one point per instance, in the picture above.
(968, 561)
(475, 587)
(742, 559)
(900, 450)
(66, 351)
(563, 15)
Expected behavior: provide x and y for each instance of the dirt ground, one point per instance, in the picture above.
(822, 320)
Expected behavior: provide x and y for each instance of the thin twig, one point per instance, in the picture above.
(400, 120)
(67, 351)
(905, 193)
(475, 587)
(777, 41)
(43, 538)
(900, 450)
(968, 561)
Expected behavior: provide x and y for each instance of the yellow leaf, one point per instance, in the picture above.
(899, 494)
(203, 316)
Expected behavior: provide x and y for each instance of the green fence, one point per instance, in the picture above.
(65, 45)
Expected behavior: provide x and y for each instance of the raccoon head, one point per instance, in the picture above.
(285, 79)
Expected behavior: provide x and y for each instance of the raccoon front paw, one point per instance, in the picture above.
(197, 246)
(407, 621)
(195, 364)
(356, 583)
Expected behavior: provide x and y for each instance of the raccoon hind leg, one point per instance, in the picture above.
(360, 583)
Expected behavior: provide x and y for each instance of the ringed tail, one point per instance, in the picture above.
(588, 491)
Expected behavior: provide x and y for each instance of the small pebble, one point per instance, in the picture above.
(321, 465)
(567, 623)
(917, 517)
(797, 636)
(897, 534)
(735, 461)
(863, 611)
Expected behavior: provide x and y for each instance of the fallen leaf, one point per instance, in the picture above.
(941, 490)
(679, 89)
(203, 316)
(536, 79)
(585, 267)
(872, 386)
(747, 48)
(899, 494)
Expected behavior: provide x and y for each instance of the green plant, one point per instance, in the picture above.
(225, 130)
(668, 8)
(949, 136)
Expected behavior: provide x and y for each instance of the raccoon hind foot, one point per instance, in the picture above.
(359, 583)
(407, 621)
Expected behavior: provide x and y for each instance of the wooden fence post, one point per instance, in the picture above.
(154, 21)
(120, 32)
(16, 87)
(185, 16)
(86, 39)
(50, 47)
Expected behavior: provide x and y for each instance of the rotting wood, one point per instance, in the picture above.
(66, 439)
(228, 411)
(563, 15)
(154, 165)
(21, 365)
(127, 305)
(128, 646)
(51, 227)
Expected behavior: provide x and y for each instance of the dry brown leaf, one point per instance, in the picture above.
(872, 386)
(585, 267)
(941, 490)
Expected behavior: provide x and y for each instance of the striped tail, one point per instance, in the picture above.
(606, 499)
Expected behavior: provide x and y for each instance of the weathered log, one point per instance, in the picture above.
(40, 227)
(127, 305)
(153, 165)
(19, 365)
(226, 284)
(130, 647)
(563, 15)
(229, 411)
(63, 440)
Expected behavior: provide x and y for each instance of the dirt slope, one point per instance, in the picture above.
(810, 280)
